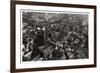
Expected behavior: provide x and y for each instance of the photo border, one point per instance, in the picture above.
(13, 35)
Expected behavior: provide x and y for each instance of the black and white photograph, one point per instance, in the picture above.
(49, 35)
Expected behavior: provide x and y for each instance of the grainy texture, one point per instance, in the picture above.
(54, 36)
